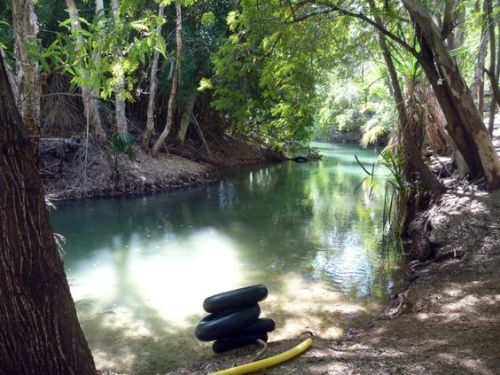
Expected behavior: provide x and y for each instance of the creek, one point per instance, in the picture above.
(139, 268)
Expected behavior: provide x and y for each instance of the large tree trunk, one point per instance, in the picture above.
(452, 32)
(120, 107)
(436, 124)
(464, 124)
(410, 145)
(39, 330)
(173, 90)
(10, 75)
(153, 82)
(28, 83)
(186, 116)
(90, 103)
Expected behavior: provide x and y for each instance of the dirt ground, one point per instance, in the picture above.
(71, 170)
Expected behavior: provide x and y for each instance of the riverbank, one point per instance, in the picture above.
(72, 171)
(446, 320)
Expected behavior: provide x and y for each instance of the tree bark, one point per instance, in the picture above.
(153, 80)
(39, 330)
(11, 76)
(412, 152)
(477, 86)
(173, 90)
(454, 17)
(28, 82)
(493, 53)
(464, 123)
(99, 7)
(90, 103)
(186, 117)
(436, 124)
(120, 107)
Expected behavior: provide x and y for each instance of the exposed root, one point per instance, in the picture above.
(262, 351)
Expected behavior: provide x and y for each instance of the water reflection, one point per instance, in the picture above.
(140, 268)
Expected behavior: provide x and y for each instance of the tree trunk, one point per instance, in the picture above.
(464, 123)
(436, 124)
(99, 7)
(411, 150)
(173, 90)
(120, 107)
(39, 330)
(11, 76)
(153, 80)
(493, 53)
(495, 91)
(477, 86)
(186, 117)
(28, 82)
(90, 103)
(453, 21)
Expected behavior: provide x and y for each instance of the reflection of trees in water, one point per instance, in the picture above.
(282, 215)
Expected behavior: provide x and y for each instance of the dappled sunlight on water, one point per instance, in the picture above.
(139, 269)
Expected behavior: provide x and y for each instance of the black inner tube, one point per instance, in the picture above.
(227, 343)
(219, 325)
(258, 327)
(235, 298)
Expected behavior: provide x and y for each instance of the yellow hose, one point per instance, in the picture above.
(268, 362)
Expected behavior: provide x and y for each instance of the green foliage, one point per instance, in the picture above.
(360, 103)
(104, 52)
(396, 191)
(382, 122)
(395, 163)
(263, 83)
(276, 71)
(3, 39)
(203, 32)
(119, 144)
(207, 19)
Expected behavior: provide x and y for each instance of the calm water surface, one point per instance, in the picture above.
(140, 268)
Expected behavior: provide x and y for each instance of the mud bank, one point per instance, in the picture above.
(73, 170)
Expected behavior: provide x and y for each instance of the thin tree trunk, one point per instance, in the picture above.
(90, 103)
(150, 122)
(448, 21)
(99, 7)
(463, 120)
(173, 91)
(120, 107)
(411, 151)
(493, 55)
(28, 82)
(39, 330)
(11, 76)
(186, 117)
(477, 86)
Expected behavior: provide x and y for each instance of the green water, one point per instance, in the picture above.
(140, 268)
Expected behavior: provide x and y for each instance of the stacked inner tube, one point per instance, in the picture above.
(234, 319)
